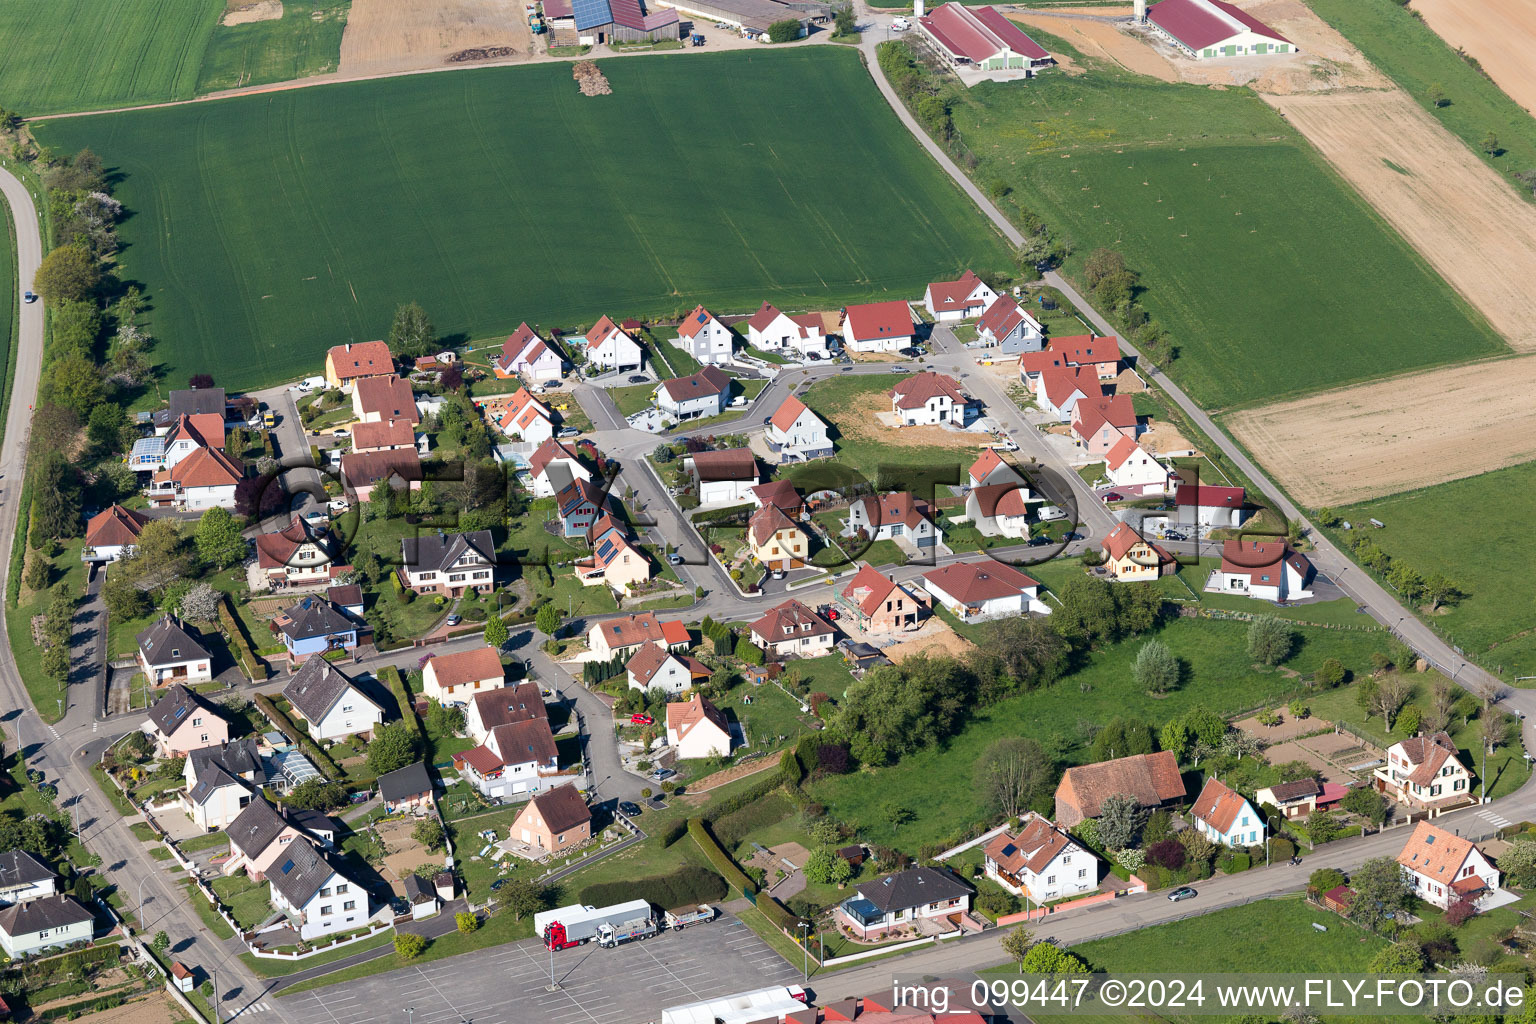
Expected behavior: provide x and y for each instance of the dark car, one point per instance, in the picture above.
(628, 809)
(638, 378)
(1036, 542)
(846, 369)
(1183, 893)
(554, 384)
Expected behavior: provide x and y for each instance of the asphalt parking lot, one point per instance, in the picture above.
(507, 984)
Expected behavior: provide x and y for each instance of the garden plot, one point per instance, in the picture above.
(403, 854)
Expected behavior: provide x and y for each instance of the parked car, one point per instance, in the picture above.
(628, 809)
(1036, 542)
(846, 369)
(638, 378)
(640, 718)
(778, 574)
(1182, 893)
(1114, 496)
(662, 774)
(675, 559)
(568, 432)
(455, 619)
(900, 24)
(28, 297)
(555, 384)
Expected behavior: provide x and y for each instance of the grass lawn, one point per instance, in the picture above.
(210, 917)
(1460, 529)
(531, 544)
(301, 170)
(248, 901)
(1219, 675)
(1179, 178)
(264, 968)
(45, 691)
(305, 41)
(631, 400)
(207, 841)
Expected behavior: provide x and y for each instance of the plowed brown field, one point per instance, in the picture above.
(1501, 34)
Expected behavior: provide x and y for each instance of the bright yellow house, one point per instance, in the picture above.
(776, 540)
(1130, 557)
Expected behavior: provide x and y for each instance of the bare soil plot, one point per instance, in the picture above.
(385, 36)
(936, 638)
(1106, 41)
(1326, 60)
(1501, 34)
(1352, 444)
(246, 14)
(864, 422)
(152, 1009)
(1289, 728)
(402, 854)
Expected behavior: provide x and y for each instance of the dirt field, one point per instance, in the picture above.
(262, 10)
(402, 854)
(153, 1009)
(404, 35)
(865, 423)
(936, 637)
(1363, 442)
(1499, 33)
(1450, 206)
(1105, 41)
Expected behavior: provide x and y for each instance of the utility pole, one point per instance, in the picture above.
(217, 1017)
(805, 954)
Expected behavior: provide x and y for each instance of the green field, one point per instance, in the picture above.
(1461, 529)
(1255, 283)
(63, 55)
(268, 228)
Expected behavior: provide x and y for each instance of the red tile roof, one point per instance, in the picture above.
(780, 493)
(790, 619)
(363, 469)
(641, 628)
(275, 550)
(207, 467)
(1428, 755)
(363, 359)
(684, 716)
(507, 704)
(694, 322)
(1435, 853)
(1206, 496)
(873, 321)
(1060, 382)
(521, 412)
(953, 296)
(467, 667)
(548, 452)
(387, 396)
(764, 317)
(785, 415)
(602, 331)
(896, 507)
(868, 588)
(1090, 415)
(1201, 23)
(1149, 778)
(204, 429)
(726, 464)
(1032, 850)
(1253, 557)
(985, 463)
(521, 742)
(766, 521)
(975, 582)
(1003, 316)
(1120, 540)
(1217, 805)
(113, 527)
(390, 433)
(707, 383)
(1005, 499)
(1122, 450)
(914, 392)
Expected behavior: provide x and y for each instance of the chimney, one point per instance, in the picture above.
(1141, 11)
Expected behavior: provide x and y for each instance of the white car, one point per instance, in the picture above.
(337, 506)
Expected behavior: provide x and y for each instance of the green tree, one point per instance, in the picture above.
(411, 332)
(218, 539)
(1410, 719)
(466, 922)
(1518, 862)
(393, 746)
(1436, 95)
(1123, 737)
(1325, 880)
(409, 945)
(1397, 958)
(897, 814)
(748, 652)
(123, 598)
(1017, 944)
(844, 20)
(1156, 669)
(1012, 773)
(784, 31)
(68, 273)
(1380, 890)
(162, 942)
(105, 428)
(547, 620)
(1270, 639)
(1329, 674)
(1120, 820)
(39, 569)
(429, 833)
(818, 866)
(1048, 958)
(519, 897)
(1367, 803)
(495, 632)
(316, 795)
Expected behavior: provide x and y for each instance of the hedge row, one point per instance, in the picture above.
(674, 831)
(392, 679)
(732, 828)
(254, 666)
(311, 750)
(718, 857)
(687, 884)
(765, 784)
(776, 912)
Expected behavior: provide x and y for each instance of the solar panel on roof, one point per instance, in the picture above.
(590, 13)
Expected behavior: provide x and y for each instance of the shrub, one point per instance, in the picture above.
(995, 902)
(409, 945)
(1169, 853)
(1325, 879)
(719, 858)
(1281, 849)
(1459, 913)
(784, 31)
(674, 831)
(686, 884)
(1270, 639)
(1329, 674)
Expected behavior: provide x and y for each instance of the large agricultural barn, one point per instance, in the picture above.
(753, 17)
(1211, 28)
(983, 38)
(611, 21)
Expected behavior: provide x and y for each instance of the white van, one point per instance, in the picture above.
(1050, 513)
(900, 24)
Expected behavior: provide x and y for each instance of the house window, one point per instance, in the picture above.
(346, 708)
(326, 891)
(349, 905)
(324, 911)
(340, 889)
(197, 722)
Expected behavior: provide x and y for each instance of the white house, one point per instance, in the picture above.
(169, 653)
(113, 533)
(554, 467)
(1264, 569)
(805, 335)
(703, 336)
(1445, 867)
(991, 468)
(898, 516)
(792, 629)
(1202, 504)
(449, 563)
(878, 327)
(1224, 816)
(989, 589)
(963, 299)
(1042, 861)
(525, 418)
(454, 678)
(190, 433)
(490, 708)
(1425, 773)
(696, 396)
(1000, 510)
(621, 638)
(795, 434)
(45, 923)
(318, 899)
(1204, 29)
(517, 759)
(376, 399)
(724, 477)
(23, 877)
(1057, 390)
(206, 478)
(221, 782)
(330, 703)
(655, 666)
(607, 347)
(529, 356)
(696, 728)
(930, 399)
(1009, 328)
(1134, 469)
(903, 900)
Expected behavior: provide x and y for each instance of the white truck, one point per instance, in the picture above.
(638, 927)
(684, 916)
(571, 926)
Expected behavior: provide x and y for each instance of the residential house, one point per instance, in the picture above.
(207, 478)
(454, 678)
(988, 589)
(1009, 328)
(258, 836)
(655, 666)
(781, 494)
(193, 402)
(345, 365)
(528, 356)
(1204, 505)
(792, 630)
(622, 637)
(490, 708)
(389, 435)
(897, 516)
(554, 820)
(795, 434)
(703, 336)
(1204, 29)
(553, 467)
(879, 605)
(169, 652)
(330, 704)
(580, 505)
(449, 564)
(1000, 510)
(525, 418)
(615, 559)
(1445, 867)
(878, 327)
(1130, 557)
(1057, 390)
(1152, 780)
(772, 331)
(776, 541)
(517, 759)
(361, 472)
(220, 782)
(1292, 799)
(181, 721)
(982, 38)
(906, 899)
(316, 625)
(608, 348)
(1099, 356)
(1225, 816)
(408, 790)
(1042, 861)
(189, 434)
(1099, 423)
(930, 399)
(375, 399)
(696, 396)
(23, 877)
(317, 898)
(1266, 569)
(298, 555)
(991, 468)
(696, 728)
(1134, 471)
(1425, 773)
(963, 299)
(112, 534)
(48, 922)
(723, 477)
